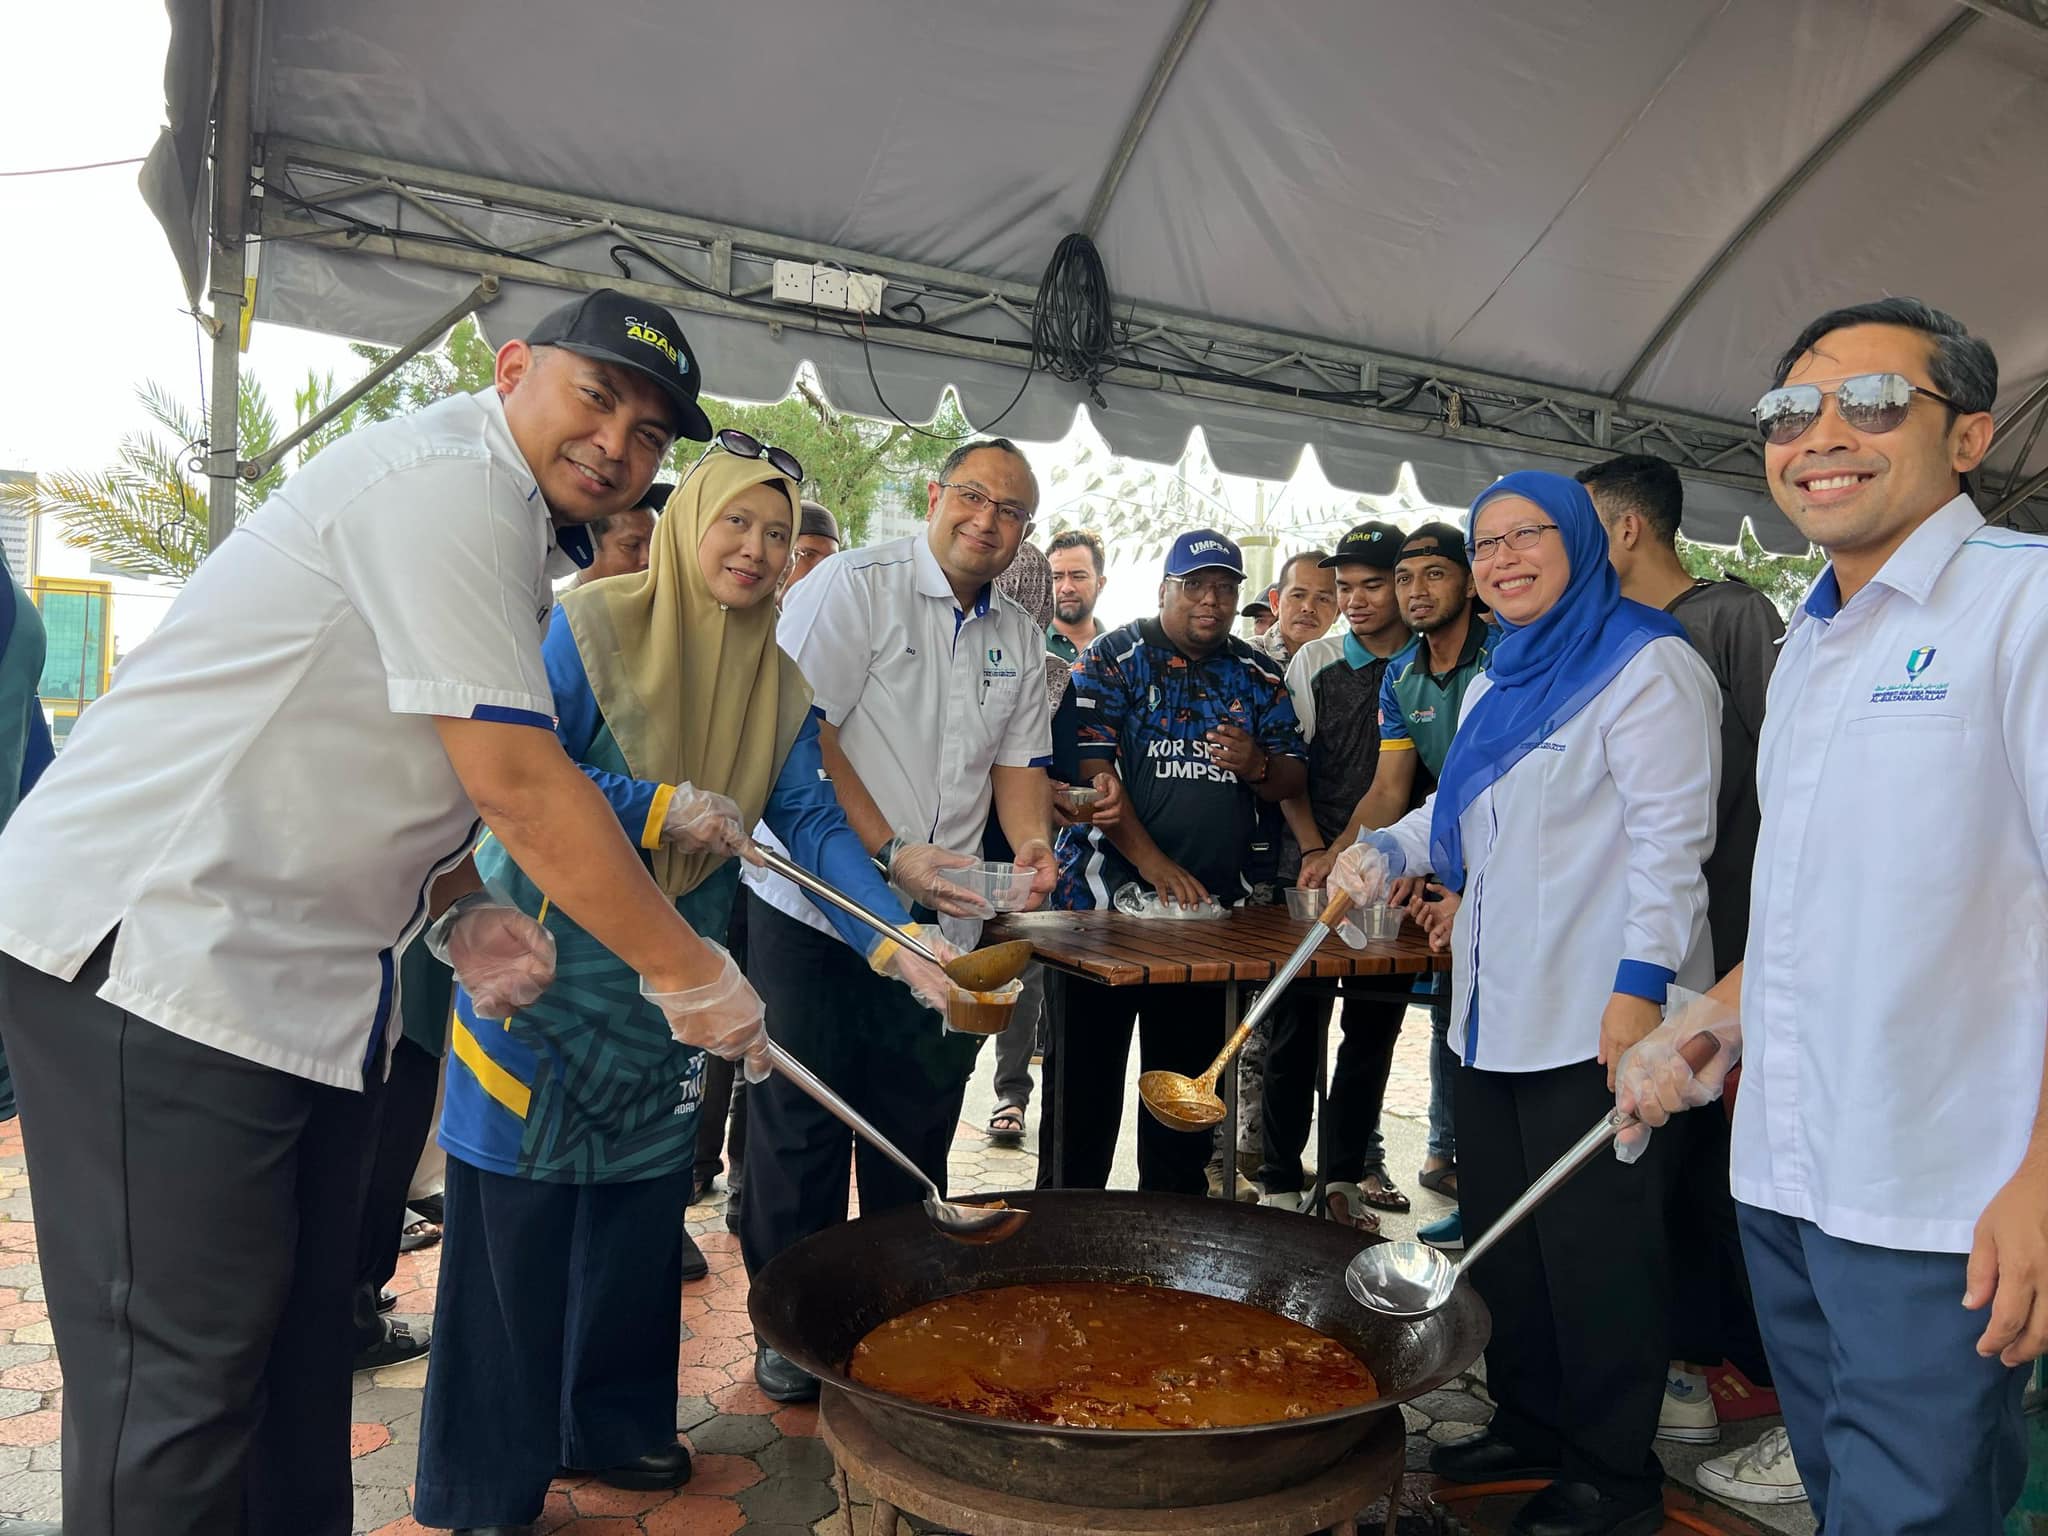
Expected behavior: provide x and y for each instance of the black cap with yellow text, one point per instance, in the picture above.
(635, 334)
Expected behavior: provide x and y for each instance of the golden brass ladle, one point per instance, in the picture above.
(1190, 1103)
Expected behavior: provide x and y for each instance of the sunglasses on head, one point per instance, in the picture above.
(1869, 402)
(746, 446)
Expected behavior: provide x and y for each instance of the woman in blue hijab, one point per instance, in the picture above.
(1574, 810)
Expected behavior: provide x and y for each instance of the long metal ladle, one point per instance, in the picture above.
(981, 970)
(1190, 1103)
(962, 1221)
(1409, 1279)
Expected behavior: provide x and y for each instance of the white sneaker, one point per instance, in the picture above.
(1761, 1474)
(1688, 1414)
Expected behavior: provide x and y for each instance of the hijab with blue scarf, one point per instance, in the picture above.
(1543, 672)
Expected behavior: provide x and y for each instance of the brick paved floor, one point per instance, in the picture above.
(759, 1467)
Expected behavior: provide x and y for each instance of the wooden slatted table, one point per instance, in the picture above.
(1237, 951)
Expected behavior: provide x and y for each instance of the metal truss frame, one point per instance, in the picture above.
(353, 201)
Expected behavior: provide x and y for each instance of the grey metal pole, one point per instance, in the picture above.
(226, 267)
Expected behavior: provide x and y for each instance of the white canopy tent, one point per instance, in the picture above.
(1474, 235)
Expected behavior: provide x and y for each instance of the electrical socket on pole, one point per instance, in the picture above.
(829, 287)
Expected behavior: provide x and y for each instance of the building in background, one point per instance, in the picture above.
(17, 532)
(78, 621)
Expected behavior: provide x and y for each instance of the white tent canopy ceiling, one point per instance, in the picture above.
(1475, 235)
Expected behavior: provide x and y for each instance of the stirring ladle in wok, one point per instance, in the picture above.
(1408, 1279)
(981, 970)
(963, 1221)
(1190, 1103)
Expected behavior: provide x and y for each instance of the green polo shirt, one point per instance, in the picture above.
(1062, 647)
(1418, 707)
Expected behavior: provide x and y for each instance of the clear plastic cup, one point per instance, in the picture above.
(1378, 922)
(1005, 887)
(982, 1013)
(1305, 905)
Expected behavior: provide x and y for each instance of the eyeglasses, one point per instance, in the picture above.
(980, 501)
(1524, 537)
(746, 446)
(1869, 402)
(1220, 588)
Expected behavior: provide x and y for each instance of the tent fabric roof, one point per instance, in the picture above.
(1530, 189)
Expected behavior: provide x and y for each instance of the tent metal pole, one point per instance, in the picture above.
(2032, 14)
(1141, 116)
(1757, 222)
(227, 265)
(2015, 499)
(483, 293)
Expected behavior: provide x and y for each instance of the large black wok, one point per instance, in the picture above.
(817, 1300)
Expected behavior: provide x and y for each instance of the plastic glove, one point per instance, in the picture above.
(927, 983)
(1654, 1082)
(1365, 872)
(703, 821)
(724, 1016)
(501, 957)
(918, 871)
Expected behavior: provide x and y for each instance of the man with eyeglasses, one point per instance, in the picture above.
(932, 686)
(1890, 1162)
(1198, 728)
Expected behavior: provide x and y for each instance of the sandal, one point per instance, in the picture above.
(1440, 1181)
(1381, 1193)
(1345, 1203)
(417, 1235)
(1006, 1125)
(398, 1345)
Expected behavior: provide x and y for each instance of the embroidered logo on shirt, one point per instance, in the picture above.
(1912, 691)
(1424, 715)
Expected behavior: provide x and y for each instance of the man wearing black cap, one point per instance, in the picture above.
(240, 840)
(1420, 699)
(817, 535)
(1334, 682)
(1263, 611)
(1198, 728)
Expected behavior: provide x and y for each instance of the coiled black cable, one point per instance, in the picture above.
(1073, 334)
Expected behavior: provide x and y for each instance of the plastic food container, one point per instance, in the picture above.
(1076, 798)
(982, 1013)
(1006, 887)
(1378, 922)
(1305, 905)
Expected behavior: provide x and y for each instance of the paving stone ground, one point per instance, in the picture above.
(759, 1466)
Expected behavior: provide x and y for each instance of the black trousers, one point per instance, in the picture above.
(404, 1115)
(197, 1263)
(1580, 1292)
(1180, 1029)
(1713, 1316)
(874, 1043)
(1358, 1087)
(556, 1327)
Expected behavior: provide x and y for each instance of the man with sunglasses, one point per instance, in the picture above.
(1890, 1161)
(931, 683)
(1197, 727)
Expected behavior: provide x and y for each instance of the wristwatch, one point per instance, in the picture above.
(885, 856)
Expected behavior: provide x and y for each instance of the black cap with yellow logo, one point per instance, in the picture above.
(634, 334)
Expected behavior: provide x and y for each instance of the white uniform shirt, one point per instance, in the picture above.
(1582, 864)
(261, 799)
(1895, 986)
(926, 699)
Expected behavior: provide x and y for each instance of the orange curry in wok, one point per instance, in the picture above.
(1102, 1356)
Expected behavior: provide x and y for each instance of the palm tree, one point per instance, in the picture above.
(147, 512)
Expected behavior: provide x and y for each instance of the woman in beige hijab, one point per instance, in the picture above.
(571, 1124)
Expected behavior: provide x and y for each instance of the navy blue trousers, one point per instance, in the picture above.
(555, 1337)
(1897, 1427)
